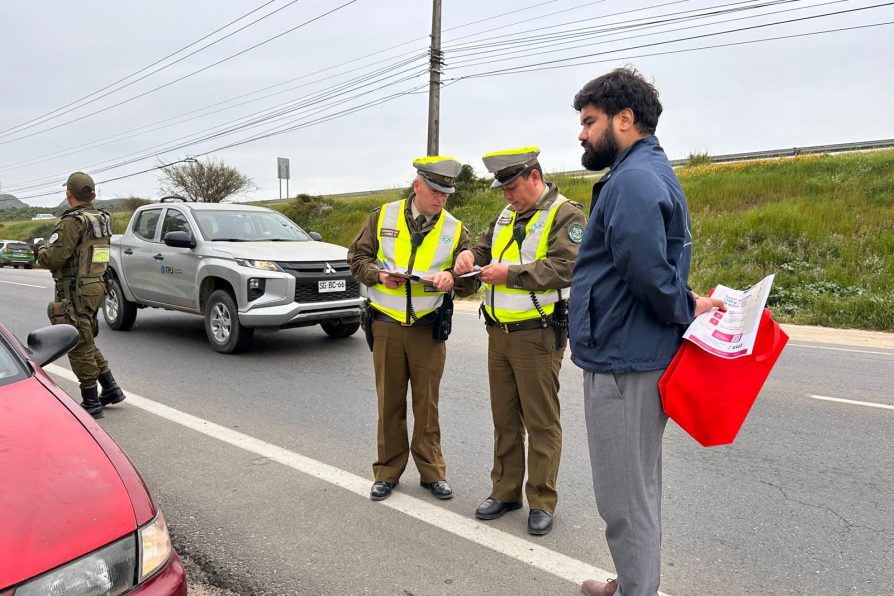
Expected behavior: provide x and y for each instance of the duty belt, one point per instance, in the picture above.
(520, 325)
(427, 320)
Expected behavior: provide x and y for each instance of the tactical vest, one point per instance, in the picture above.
(91, 258)
(434, 254)
(508, 305)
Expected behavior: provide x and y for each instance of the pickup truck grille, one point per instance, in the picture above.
(308, 274)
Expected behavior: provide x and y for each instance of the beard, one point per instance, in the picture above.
(602, 153)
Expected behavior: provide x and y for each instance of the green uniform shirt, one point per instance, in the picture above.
(63, 242)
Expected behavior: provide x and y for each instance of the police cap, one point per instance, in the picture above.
(439, 172)
(508, 165)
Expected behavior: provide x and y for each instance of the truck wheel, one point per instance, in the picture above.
(339, 330)
(222, 326)
(29, 266)
(118, 311)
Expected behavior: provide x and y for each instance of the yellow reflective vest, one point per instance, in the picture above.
(434, 254)
(509, 305)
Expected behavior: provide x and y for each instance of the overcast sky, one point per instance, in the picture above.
(811, 90)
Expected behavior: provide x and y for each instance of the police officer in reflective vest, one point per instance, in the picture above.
(77, 254)
(404, 254)
(526, 258)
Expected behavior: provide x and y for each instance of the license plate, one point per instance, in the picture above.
(332, 285)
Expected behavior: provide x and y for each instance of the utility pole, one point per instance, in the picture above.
(434, 80)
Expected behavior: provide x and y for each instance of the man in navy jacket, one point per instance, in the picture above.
(630, 304)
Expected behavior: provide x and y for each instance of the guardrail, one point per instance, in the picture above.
(771, 153)
(729, 157)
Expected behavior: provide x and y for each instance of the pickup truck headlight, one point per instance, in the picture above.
(155, 546)
(265, 265)
(107, 571)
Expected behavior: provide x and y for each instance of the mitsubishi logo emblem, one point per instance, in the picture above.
(327, 268)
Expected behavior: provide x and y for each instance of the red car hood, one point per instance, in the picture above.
(60, 496)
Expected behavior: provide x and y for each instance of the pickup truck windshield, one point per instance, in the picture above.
(248, 226)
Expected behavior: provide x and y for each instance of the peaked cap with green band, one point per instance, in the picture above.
(508, 165)
(439, 172)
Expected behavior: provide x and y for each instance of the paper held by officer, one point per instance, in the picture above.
(731, 334)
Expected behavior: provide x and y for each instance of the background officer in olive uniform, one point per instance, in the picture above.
(526, 256)
(77, 254)
(415, 235)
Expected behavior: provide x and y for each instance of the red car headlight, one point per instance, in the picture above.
(107, 572)
(155, 546)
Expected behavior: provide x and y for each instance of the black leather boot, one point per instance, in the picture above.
(111, 392)
(91, 403)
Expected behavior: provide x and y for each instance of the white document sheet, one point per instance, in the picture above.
(731, 334)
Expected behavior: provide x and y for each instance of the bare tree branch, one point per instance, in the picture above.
(205, 182)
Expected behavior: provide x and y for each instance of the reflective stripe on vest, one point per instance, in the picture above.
(433, 255)
(508, 305)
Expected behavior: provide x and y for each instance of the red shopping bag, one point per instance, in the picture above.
(708, 396)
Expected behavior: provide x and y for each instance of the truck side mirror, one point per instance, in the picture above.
(314, 236)
(179, 239)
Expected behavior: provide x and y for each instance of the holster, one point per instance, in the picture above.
(61, 312)
(366, 320)
(442, 323)
(560, 323)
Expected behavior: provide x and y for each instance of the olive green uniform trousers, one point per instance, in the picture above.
(86, 359)
(403, 355)
(523, 367)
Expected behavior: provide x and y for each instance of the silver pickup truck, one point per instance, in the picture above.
(241, 267)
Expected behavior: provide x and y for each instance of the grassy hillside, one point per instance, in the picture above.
(824, 224)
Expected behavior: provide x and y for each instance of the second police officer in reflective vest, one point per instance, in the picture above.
(526, 259)
(404, 255)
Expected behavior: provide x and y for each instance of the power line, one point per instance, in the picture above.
(525, 37)
(46, 117)
(309, 101)
(79, 148)
(568, 45)
(182, 119)
(532, 68)
(344, 113)
(702, 36)
(186, 76)
(379, 101)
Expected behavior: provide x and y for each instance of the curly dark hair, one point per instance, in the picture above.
(623, 88)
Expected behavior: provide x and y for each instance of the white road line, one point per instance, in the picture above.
(868, 404)
(15, 283)
(562, 566)
(842, 349)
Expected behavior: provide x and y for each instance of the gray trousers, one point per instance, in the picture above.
(625, 425)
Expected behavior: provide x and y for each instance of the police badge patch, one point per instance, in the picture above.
(576, 233)
(390, 233)
(53, 237)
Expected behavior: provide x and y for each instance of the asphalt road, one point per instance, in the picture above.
(261, 462)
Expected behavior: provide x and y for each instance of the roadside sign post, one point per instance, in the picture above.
(282, 170)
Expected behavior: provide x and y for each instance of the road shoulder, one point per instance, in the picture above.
(856, 338)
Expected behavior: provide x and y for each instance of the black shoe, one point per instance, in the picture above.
(90, 401)
(540, 522)
(439, 489)
(380, 490)
(111, 392)
(492, 509)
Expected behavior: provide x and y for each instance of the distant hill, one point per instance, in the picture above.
(109, 204)
(11, 202)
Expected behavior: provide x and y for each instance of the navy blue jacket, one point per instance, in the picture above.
(630, 302)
